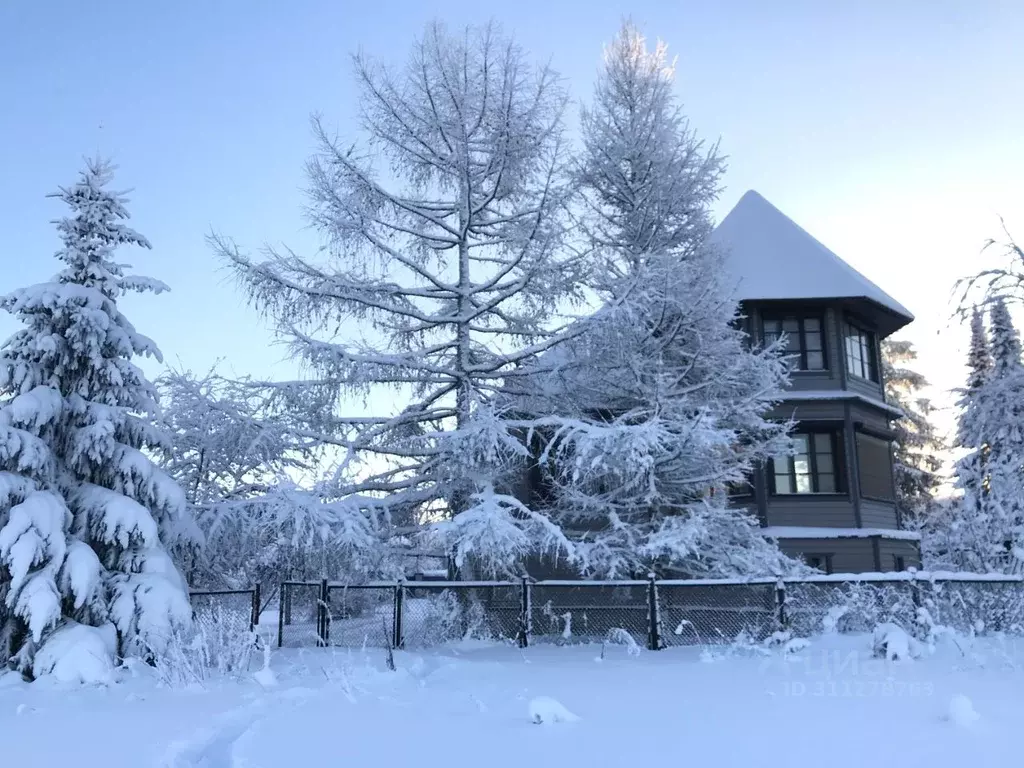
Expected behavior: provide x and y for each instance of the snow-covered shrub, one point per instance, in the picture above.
(216, 647)
(619, 636)
(76, 653)
(893, 643)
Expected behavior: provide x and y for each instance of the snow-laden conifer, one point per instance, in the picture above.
(917, 447)
(85, 515)
(985, 531)
(660, 406)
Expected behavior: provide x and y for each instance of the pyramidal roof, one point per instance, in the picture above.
(770, 257)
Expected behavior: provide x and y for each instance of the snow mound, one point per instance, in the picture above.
(76, 654)
(893, 643)
(961, 711)
(547, 711)
(265, 677)
(796, 645)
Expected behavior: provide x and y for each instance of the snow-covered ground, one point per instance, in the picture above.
(830, 702)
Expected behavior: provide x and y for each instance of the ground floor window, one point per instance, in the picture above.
(820, 562)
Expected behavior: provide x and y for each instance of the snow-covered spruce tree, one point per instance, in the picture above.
(985, 531)
(958, 538)
(917, 447)
(662, 404)
(441, 272)
(253, 487)
(1002, 405)
(85, 515)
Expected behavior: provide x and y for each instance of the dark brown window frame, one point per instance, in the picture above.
(800, 316)
(838, 480)
(824, 557)
(853, 329)
(889, 496)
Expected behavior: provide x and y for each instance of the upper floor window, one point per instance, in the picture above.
(811, 469)
(860, 353)
(805, 339)
(874, 457)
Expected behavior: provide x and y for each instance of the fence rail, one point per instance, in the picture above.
(654, 613)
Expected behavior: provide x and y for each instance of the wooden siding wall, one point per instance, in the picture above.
(856, 555)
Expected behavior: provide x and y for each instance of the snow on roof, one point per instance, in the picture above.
(796, 396)
(771, 257)
(807, 532)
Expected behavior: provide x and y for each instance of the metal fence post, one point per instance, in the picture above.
(254, 619)
(323, 617)
(525, 615)
(398, 641)
(780, 604)
(654, 631)
(280, 617)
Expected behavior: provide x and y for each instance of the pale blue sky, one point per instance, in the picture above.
(890, 130)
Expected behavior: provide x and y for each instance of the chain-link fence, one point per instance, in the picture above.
(574, 612)
(300, 619)
(361, 615)
(963, 604)
(433, 613)
(651, 613)
(228, 611)
(715, 613)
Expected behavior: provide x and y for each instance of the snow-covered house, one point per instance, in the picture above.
(833, 503)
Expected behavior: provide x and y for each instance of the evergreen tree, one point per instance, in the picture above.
(917, 446)
(1002, 400)
(661, 404)
(985, 531)
(958, 539)
(85, 515)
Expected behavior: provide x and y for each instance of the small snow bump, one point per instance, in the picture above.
(961, 711)
(544, 710)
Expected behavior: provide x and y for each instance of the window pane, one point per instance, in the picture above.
(801, 465)
(801, 443)
(791, 326)
(783, 484)
(812, 324)
(812, 340)
(815, 361)
(822, 443)
(803, 484)
(826, 483)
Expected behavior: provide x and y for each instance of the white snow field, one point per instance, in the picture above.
(496, 705)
